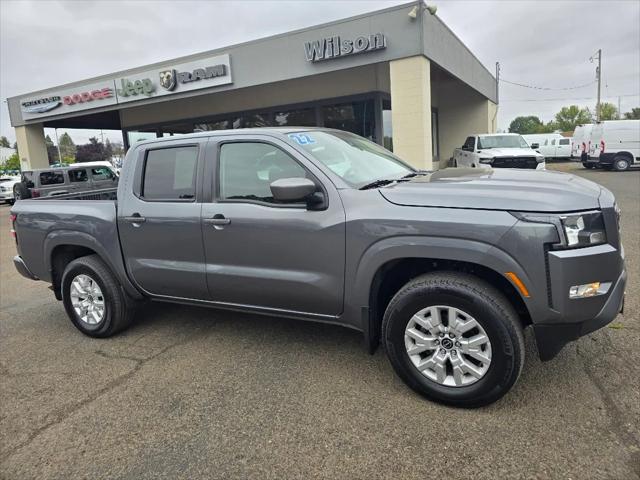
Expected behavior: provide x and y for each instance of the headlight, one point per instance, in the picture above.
(486, 161)
(584, 229)
(575, 230)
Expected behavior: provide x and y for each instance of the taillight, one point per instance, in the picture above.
(35, 193)
(601, 146)
(12, 218)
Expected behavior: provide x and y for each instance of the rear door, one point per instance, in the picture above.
(159, 219)
(78, 180)
(264, 254)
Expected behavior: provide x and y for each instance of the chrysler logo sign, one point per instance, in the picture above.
(333, 47)
(41, 105)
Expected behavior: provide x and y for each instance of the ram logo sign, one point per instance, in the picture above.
(334, 47)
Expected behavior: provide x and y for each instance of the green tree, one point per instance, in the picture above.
(4, 142)
(67, 148)
(15, 146)
(526, 125)
(94, 151)
(568, 117)
(634, 114)
(12, 163)
(608, 111)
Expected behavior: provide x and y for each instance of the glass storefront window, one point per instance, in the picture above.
(305, 117)
(256, 120)
(355, 117)
(219, 125)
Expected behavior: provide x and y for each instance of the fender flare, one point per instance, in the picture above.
(437, 248)
(113, 259)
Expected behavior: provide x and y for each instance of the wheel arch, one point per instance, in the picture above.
(63, 246)
(387, 267)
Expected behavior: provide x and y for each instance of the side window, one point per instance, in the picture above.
(546, 142)
(102, 173)
(247, 169)
(553, 142)
(79, 175)
(564, 141)
(170, 174)
(51, 178)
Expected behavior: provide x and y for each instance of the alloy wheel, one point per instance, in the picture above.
(448, 346)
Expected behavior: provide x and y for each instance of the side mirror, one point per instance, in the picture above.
(535, 145)
(292, 189)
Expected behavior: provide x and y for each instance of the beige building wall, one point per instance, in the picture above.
(462, 112)
(31, 147)
(335, 84)
(411, 110)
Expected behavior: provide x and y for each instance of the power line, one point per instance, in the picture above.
(563, 99)
(548, 88)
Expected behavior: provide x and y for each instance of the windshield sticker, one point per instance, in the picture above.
(302, 138)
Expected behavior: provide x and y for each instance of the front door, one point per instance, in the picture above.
(159, 220)
(103, 177)
(269, 255)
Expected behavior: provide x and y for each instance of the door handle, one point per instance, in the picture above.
(217, 221)
(135, 218)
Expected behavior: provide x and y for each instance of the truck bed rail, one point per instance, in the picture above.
(102, 194)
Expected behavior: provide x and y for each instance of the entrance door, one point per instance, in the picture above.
(265, 254)
(159, 220)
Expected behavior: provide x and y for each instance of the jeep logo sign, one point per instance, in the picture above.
(333, 47)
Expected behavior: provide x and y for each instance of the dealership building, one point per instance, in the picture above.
(397, 76)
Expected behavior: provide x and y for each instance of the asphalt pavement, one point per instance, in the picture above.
(194, 393)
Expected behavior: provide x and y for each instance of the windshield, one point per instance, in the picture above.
(355, 159)
(501, 141)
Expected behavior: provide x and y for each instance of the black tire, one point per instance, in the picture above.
(587, 165)
(621, 163)
(11, 202)
(490, 309)
(21, 192)
(117, 314)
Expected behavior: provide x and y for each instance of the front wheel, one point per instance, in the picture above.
(587, 165)
(21, 192)
(93, 299)
(454, 339)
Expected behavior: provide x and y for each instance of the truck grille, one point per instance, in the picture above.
(515, 162)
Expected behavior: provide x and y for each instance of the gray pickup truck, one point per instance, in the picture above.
(445, 269)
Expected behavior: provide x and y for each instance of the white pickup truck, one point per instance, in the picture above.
(498, 150)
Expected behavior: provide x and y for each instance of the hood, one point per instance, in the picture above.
(508, 152)
(496, 189)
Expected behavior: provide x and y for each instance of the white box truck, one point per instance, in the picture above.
(581, 142)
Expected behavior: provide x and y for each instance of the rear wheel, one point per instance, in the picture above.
(93, 298)
(587, 165)
(621, 163)
(454, 338)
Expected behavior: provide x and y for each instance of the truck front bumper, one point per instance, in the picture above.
(23, 269)
(552, 337)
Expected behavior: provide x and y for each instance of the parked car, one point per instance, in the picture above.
(501, 150)
(581, 142)
(550, 145)
(6, 188)
(79, 177)
(615, 144)
(445, 269)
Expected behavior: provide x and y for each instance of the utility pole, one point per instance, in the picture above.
(619, 106)
(58, 145)
(599, 77)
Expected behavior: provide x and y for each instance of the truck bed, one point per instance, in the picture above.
(78, 219)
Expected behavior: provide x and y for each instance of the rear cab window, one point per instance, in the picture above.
(169, 174)
(564, 141)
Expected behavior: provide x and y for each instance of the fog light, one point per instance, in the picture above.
(589, 289)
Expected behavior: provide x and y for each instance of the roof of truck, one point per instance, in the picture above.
(240, 131)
